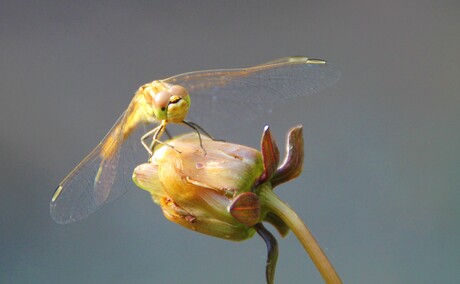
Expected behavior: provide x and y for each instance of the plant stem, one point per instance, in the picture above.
(275, 205)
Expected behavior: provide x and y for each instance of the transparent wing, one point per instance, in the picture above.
(224, 99)
(104, 175)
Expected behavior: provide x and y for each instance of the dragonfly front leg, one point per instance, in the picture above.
(147, 135)
(156, 134)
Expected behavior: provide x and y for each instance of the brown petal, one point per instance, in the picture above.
(270, 155)
(246, 208)
(293, 163)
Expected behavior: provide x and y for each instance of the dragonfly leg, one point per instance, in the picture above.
(198, 128)
(168, 134)
(156, 134)
(147, 135)
(156, 137)
(156, 140)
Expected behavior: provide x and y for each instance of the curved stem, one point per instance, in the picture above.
(272, 255)
(275, 205)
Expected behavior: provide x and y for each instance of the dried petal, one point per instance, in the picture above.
(293, 163)
(246, 208)
(270, 154)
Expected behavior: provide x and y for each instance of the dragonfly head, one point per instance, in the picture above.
(169, 103)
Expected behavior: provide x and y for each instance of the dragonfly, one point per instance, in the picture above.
(222, 99)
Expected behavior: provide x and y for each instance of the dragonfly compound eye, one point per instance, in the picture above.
(178, 91)
(161, 100)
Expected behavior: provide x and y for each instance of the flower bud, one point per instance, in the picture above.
(226, 191)
(208, 192)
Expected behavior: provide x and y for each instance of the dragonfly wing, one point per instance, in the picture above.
(87, 187)
(104, 175)
(222, 99)
(105, 178)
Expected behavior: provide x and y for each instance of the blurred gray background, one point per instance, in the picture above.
(381, 184)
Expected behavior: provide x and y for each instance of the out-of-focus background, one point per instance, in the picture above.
(381, 183)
